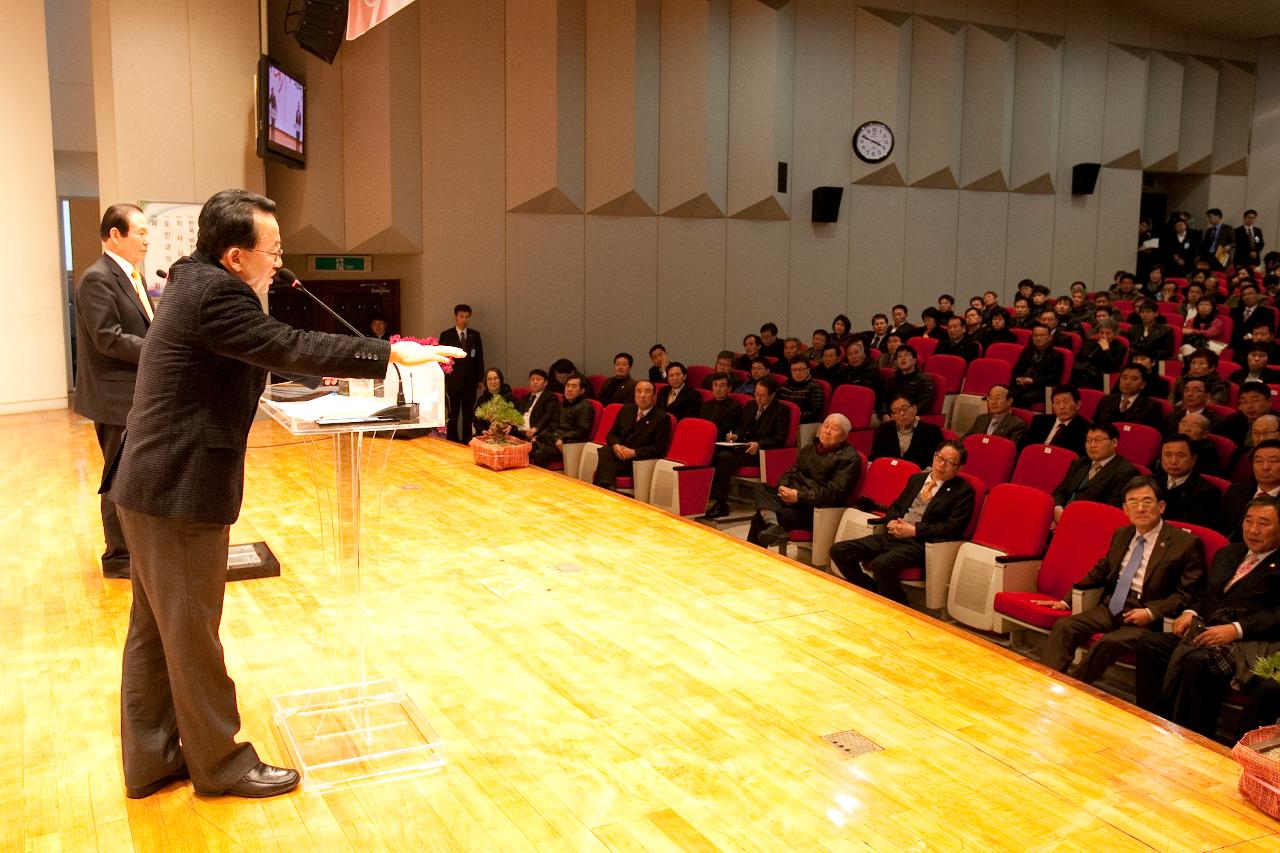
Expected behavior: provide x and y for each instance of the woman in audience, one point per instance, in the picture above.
(841, 331)
(1203, 364)
(1081, 309)
(998, 332)
(1203, 330)
(494, 386)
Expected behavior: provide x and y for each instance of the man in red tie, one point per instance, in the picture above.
(1183, 675)
(112, 318)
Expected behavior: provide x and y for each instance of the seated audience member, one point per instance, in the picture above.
(1246, 315)
(990, 304)
(889, 358)
(791, 348)
(573, 422)
(1039, 298)
(803, 391)
(902, 324)
(824, 473)
(958, 342)
(997, 330)
(1229, 622)
(1264, 427)
(620, 387)
(841, 331)
(876, 338)
(974, 324)
(930, 325)
(818, 342)
(722, 410)
(759, 370)
(1037, 368)
(658, 370)
(494, 386)
(770, 345)
(830, 370)
(999, 418)
(1022, 316)
(750, 351)
(860, 370)
(908, 381)
(1063, 427)
(1128, 404)
(1187, 496)
(1062, 311)
(935, 505)
(1100, 356)
(1264, 337)
(1099, 476)
(1081, 308)
(679, 398)
(1196, 428)
(764, 425)
(1255, 401)
(1126, 287)
(724, 364)
(1204, 329)
(559, 371)
(945, 309)
(903, 435)
(538, 407)
(641, 431)
(1203, 365)
(1195, 401)
(1049, 319)
(1151, 336)
(1151, 571)
(1257, 368)
(1157, 385)
(1266, 483)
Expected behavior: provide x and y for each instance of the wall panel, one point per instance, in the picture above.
(756, 285)
(1119, 196)
(545, 290)
(937, 96)
(691, 285)
(762, 56)
(1030, 241)
(877, 236)
(982, 233)
(621, 290)
(882, 89)
(929, 256)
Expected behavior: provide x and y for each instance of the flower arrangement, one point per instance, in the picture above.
(430, 341)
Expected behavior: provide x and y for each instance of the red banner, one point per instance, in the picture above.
(364, 15)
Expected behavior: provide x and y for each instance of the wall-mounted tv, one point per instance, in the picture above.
(282, 108)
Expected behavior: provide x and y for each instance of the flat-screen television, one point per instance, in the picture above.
(282, 111)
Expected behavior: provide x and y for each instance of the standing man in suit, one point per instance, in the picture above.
(1129, 404)
(1235, 618)
(1101, 475)
(1249, 243)
(1219, 239)
(641, 431)
(904, 436)
(112, 317)
(178, 483)
(461, 385)
(1152, 570)
(1065, 427)
(764, 425)
(935, 505)
(999, 420)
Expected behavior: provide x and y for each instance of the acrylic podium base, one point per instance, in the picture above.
(355, 734)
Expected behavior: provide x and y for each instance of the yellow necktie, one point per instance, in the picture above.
(142, 294)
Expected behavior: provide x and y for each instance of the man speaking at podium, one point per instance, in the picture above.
(178, 483)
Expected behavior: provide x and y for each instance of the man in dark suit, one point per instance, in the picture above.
(1150, 336)
(1101, 475)
(1219, 239)
(1266, 483)
(1249, 243)
(904, 436)
(1065, 427)
(460, 386)
(1152, 570)
(1233, 619)
(1129, 404)
(902, 324)
(574, 418)
(178, 483)
(722, 410)
(112, 317)
(641, 431)
(824, 473)
(538, 407)
(1195, 401)
(1246, 315)
(1187, 495)
(764, 425)
(1179, 246)
(1254, 402)
(679, 398)
(999, 419)
(957, 342)
(935, 505)
(1037, 368)
(620, 387)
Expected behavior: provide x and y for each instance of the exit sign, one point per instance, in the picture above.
(341, 263)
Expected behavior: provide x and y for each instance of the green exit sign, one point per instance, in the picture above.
(341, 263)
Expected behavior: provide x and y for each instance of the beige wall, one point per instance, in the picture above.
(641, 113)
(32, 345)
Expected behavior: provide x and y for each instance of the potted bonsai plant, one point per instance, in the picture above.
(496, 448)
(1258, 752)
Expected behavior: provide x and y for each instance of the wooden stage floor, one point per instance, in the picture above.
(605, 677)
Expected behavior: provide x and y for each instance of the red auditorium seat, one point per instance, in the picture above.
(604, 423)
(1042, 466)
(682, 478)
(924, 347)
(884, 480)
(1138, 443)
(991, 458)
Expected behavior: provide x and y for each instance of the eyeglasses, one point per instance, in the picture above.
(1140, 503)
(279, 256)
(938, 457)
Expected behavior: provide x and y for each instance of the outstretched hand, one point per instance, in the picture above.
(410, 353)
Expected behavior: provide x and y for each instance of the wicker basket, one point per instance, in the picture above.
(499, 457)
(1260, 779)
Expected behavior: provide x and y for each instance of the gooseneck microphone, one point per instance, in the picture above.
(284, 275)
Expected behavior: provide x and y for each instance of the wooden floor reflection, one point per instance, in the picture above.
(605, 677)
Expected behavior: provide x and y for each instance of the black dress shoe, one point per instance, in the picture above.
(720, 510)
(265, 781)
(772, 535)
(179, 775)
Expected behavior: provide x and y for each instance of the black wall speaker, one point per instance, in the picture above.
(1084, 178)
(826, 203)
(322, 24)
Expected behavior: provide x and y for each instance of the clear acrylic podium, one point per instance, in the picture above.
(364, 728)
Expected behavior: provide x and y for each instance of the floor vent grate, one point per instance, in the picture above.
(852, 743)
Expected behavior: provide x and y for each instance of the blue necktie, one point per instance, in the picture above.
(1126, 578)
